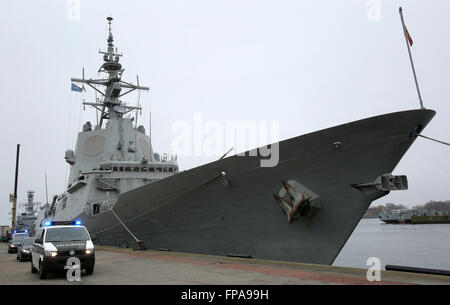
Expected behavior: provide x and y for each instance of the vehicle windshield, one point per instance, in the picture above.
(18, 240)
(66, 234)
(20, 235)
(28, 242)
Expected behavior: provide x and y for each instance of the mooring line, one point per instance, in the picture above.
(121, 222)
(442, 142)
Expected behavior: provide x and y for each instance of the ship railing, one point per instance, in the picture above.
(166, 158)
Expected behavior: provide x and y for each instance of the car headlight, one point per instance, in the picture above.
(89, 251)
(26, 251)
(51, 253)
(12, 246)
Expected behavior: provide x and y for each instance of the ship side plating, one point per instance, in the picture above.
(228, 207)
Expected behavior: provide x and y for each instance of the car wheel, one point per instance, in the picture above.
(90, 270)
(33, 270)
(42, 271)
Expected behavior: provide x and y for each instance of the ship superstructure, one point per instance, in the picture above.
(112, 157)
(26, 219)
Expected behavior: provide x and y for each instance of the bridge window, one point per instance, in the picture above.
(115, 169)
(63, 203)
(136, 169)
(151, 169)
(128, 169)
(95, 208)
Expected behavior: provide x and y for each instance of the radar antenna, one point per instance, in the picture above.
(111, 105)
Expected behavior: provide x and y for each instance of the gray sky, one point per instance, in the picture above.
(307, 64)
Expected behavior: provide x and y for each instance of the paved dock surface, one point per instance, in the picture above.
(125, 266)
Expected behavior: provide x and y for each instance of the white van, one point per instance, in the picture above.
(55, 243)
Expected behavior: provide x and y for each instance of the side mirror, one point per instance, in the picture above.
(38, 241)
(94, 237)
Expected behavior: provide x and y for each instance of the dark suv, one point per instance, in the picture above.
(24, 250)
(15, 243)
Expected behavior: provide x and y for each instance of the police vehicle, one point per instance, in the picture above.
(16, 241)
(24, 250)
(23, 234)
(56, 243)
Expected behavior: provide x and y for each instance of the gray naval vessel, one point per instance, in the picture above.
(304, 209)
(26, 220)
(404, 216)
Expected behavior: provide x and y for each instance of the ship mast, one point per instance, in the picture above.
(111, 106)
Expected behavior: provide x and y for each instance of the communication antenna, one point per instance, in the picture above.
(138, 103)
(110, 105)
(150, 127)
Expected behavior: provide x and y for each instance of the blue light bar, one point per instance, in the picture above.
(63, 223)
(26, 231)
(15, 232)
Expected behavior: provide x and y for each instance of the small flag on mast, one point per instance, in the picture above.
(409, 43)
(409, 37)
(77, 89)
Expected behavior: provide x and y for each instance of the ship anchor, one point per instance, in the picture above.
(294, 203)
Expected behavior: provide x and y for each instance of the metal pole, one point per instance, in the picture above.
(226, 153)
(14, 207)
(150, 127)
(138, 102)
(410, 57)
(46, 189)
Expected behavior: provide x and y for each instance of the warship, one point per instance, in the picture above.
(414, 216)
(26, 220)
(303, 209)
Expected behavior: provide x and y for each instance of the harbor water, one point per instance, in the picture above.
(424, 245)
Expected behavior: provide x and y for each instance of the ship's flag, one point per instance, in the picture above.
(408, 36)
(77, 89)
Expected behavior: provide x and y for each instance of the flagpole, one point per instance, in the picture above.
(410, 58)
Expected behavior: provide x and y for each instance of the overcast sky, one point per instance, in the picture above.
(307, 64)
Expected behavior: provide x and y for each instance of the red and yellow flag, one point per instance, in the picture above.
(409, 37)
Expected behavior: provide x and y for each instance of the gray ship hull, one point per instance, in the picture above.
(196, 211)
